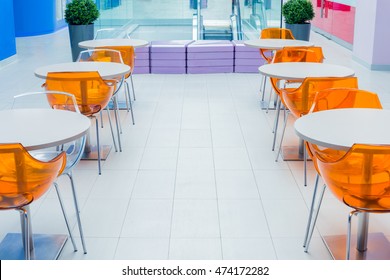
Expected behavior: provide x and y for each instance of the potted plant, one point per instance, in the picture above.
(80, 16)
(297, 15)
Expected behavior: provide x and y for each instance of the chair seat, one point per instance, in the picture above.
(89, 109)
(13, 202)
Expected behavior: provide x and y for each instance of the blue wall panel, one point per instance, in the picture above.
(34, 17)
(7, 31)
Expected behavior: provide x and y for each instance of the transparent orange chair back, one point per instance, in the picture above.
(276, 33)
(299, 54)
(24, 178)
(361, 178)
(100, 55)
(92, 93)
(300, 101)
(338, 98)
(128, 56)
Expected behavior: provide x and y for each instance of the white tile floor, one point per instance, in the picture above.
(197, 178)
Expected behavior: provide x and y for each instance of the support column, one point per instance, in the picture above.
(372, 42)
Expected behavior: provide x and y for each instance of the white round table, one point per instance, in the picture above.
(91, 44)
(339, 129)
(302, 70)
(276, 44)
(41, 128)
(107, 70)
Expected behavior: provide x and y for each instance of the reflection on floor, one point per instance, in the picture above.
(197, 178)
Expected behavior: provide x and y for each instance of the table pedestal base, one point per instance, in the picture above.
(46, 247)
(378, 247)
(265, 105)
(292, 153)
(92, 154)
(121, 105)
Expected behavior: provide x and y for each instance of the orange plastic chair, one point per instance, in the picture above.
(24, 179)
(329, 99)
(109, 55)
(360, 179)
(300, 100)
(291, 54)
(128, 57)
(272, 33)
(92, 94)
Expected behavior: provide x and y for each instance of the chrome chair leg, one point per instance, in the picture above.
(281, 139)
(276, 124)
(98, 146)
(348, 245)
(127, 99)
(304, 165)
(112, 131)
(314, 221)
(132, 86)
(65, 216)
(131, 106)
(76, 205)
(117, 121)
(116, 114)
(24, 217)
(101, 118)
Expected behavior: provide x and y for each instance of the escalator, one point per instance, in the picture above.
(229, 29)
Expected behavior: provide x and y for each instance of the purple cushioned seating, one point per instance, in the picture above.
(239, 46)
(210, 62)
(246, 69)
(167, 70)
(254, 55)
(168, 55)
(169, 46)
(142, 55)
(211, 55)
(141, 62)
(210, 46)
(144, 49)
(250, 61)
(205, 70)
(168, 63)
(141, 70)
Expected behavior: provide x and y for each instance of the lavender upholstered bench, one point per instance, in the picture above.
(210, 56)
(246, 59)
(169, 57)
(142, 61)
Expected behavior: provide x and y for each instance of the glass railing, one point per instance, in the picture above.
(173, 19)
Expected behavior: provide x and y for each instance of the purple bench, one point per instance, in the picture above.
(169, 57)
(246, 59)
(210, 56)
(142, 60)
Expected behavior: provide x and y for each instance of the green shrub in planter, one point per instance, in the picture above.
(297, 11)
(297, 15)
(81, 12)
(80, 16)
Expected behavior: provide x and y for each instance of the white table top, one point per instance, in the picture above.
(341, 128)
(90, 44)
(302, 70)
(107, 70)
(41, 128)
(276, 44)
